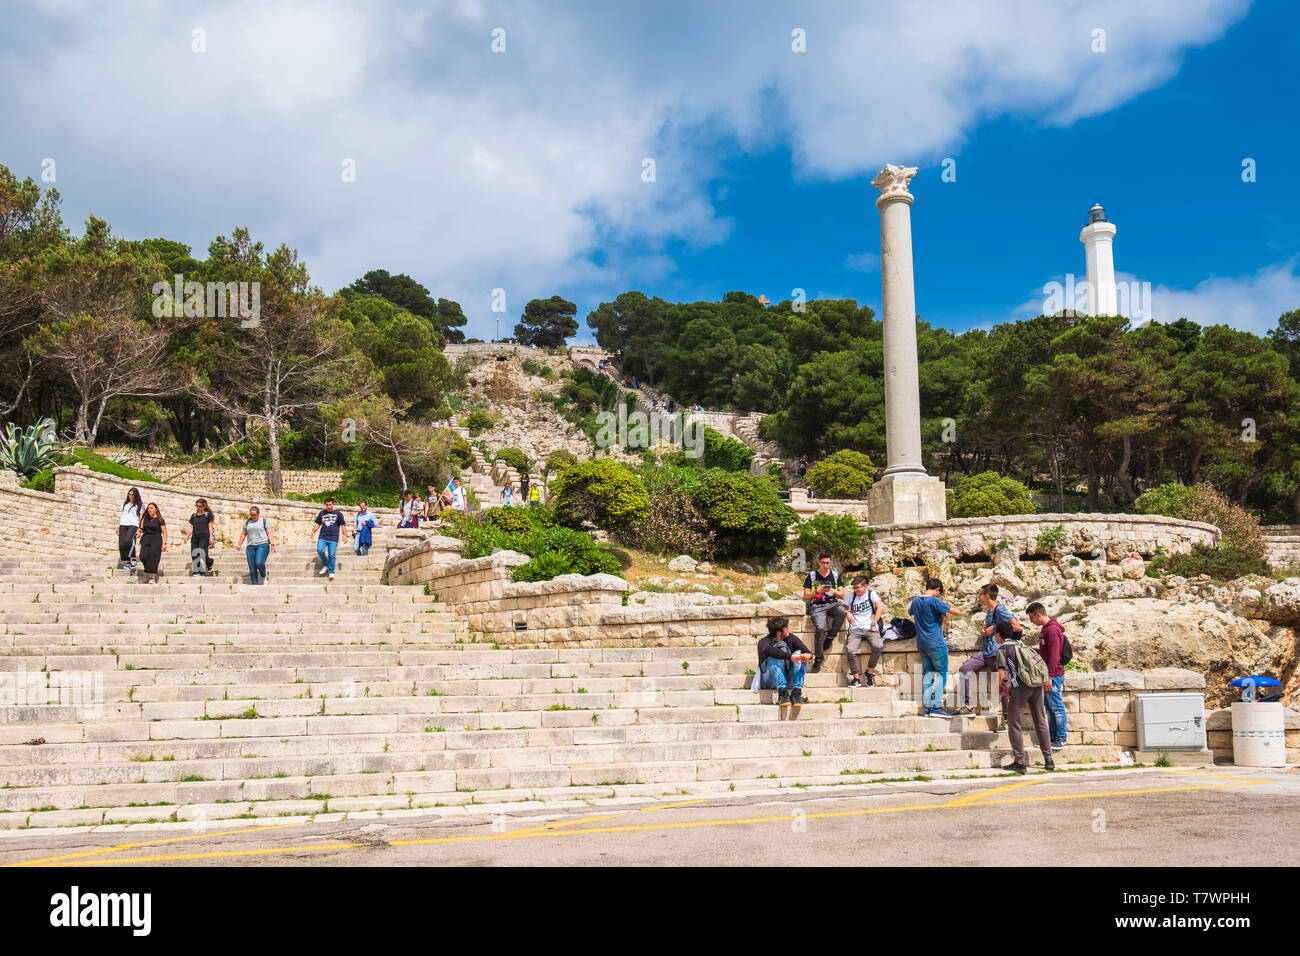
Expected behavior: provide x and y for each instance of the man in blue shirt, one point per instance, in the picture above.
(985, 658)
(329, 524)
(928, 611)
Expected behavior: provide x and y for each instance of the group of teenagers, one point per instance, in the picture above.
(142, 537)
(1031, 679)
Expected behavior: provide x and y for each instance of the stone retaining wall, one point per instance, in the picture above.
(1114, 535)
(1282, 544)
(86, 505)
(240, 482)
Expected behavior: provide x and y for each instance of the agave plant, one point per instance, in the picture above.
(121, 458)
(28, 450)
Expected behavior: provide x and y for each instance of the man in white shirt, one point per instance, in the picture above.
(459, 500)
(863, 609)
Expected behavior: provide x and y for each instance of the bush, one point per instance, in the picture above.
(557, 461)
(1204, 503)
(745, 513)
(529, 366)
(841, 535)
(601, 492)
(513, 457)
(674, 523)
(1050, 538)
(348, 496)
(988, 494)
(478, 422)
(845, 474)
(461, 452)
(43, 480)
(519, 520)
(726, 453)
(1223, 562)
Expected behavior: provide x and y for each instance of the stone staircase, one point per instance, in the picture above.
(207, 698)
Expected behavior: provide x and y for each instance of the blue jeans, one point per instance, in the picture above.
(934, 667)
(1055, 709)
(325, 550)
(257, 554)
(774, 674)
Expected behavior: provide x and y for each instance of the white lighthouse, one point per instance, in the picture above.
(1100, 258)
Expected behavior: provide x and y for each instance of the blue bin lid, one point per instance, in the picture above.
(1256, 682)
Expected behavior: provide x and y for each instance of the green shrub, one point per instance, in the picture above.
(845, 474)
(529, 366)
(988, 494)
(348, 496)
(558, 460)
(478, 422)
(547, 565)
(43, 480)
(519, 520)
(674, 523)
(601, 492)
(513, 457)
(1203, 502)
(1050, 538)
(1169, 499)
(1223, 562)
(745, 513)
(726, 453)
(841, 535)
(104, 466)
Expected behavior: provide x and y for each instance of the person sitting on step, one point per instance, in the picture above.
(782, 662)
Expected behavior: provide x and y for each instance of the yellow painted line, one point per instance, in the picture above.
(1201, 773)
(972, 798)
(680, 825)
(608, 816)
(673, 806)
(215, 854)
(131, 846)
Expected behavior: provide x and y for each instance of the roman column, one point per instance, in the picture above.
(904, 492)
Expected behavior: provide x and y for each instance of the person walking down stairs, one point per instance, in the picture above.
(260, 545)
(153, 540)
(330, 524)
(128, 528)
(203, 527)
(365, 527)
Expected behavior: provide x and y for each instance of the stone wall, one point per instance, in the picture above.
(86, 505)
(1114, 535)
(1283, 545)
(571, 610)
(240, 482)
(806, 508)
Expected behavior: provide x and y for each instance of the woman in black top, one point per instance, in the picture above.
(203, 527)
(153, 540)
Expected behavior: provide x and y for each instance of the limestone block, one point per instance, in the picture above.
(1117, 679)
(1173, 678)
(1118, 703)
(1077, 680)
(1126, 738)
(1103, 738)
(1092, 703)
(1082, 721)
(1109, 721)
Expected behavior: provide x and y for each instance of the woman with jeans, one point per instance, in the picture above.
(258, 533)
(153, 540)
(128, 527)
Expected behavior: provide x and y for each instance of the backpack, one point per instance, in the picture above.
(1067, 652)
(1031, 669)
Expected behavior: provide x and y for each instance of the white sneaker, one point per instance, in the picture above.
(331, 577)
(323, 571)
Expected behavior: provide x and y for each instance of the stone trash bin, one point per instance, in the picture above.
(1258, 734)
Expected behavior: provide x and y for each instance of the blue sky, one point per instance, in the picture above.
(521, 169)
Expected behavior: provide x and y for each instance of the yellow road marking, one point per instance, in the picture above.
(973, 797)
(132, 846)
(553, 831)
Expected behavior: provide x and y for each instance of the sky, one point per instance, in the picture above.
(585, 149)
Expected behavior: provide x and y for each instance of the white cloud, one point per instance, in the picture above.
(523, 170)
(862, 261)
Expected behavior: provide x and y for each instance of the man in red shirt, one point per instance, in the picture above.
(1051, 640)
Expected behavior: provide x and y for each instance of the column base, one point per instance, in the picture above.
(904, 499)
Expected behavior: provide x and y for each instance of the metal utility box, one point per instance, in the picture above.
(1171, 722)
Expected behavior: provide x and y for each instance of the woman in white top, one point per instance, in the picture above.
(127, 526)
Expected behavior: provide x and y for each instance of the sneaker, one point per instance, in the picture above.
(331, 576)
(817, 667)
(827, 645)
(965, 711)
(1015, 767)
(783, 698)
(869, 680)
(1049, 765)
(796, 696)
(323, 571)
(1001, 728)
(939, 712)
(1058, 746)
(855, 683)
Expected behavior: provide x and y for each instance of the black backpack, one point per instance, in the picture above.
(1067, 652)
